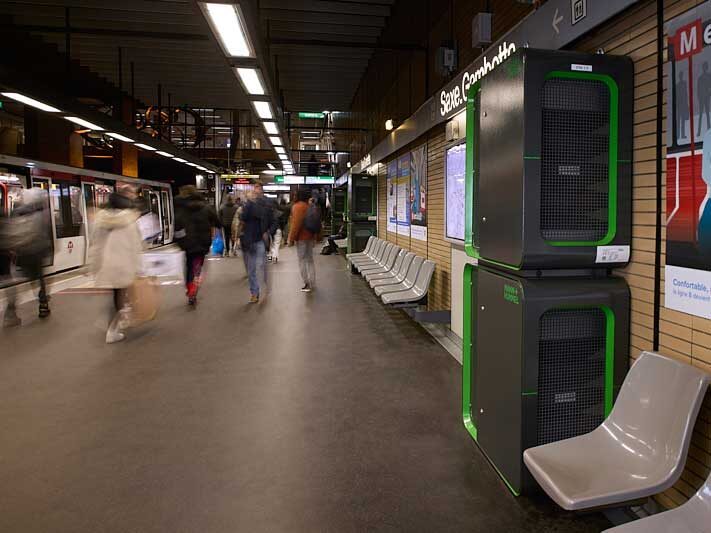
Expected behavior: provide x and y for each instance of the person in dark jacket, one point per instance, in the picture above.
(227, 215)
(195, 222)
(27, 235)
(259, 223)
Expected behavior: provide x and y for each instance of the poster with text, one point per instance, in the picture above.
(392, 196)
(418, 193)
(688, 163)
(403, 195)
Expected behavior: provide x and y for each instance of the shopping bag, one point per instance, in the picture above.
(144, 298)
(168, 266)
(218, 244)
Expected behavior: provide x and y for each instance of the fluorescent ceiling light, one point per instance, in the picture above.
(272, 172)
(85, 123)
(283, 157)
(263, 109)
(146, 147)
(164, 154)
(251, 81)
(228, 23)
(120, 137)
(180, 160)
(31, 102)
(271, 167)
(276, 141)
(279, 150)
(271, 128)
(202, 168)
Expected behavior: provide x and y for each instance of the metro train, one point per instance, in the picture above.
(74, 195)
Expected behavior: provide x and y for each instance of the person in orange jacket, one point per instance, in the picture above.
(305, 229)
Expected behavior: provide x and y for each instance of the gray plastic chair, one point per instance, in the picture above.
(418, 290)
(377, 249)
(385, 273)
(692, 517)
(406, 283)
(371, 241)
(375, 261)
(383, 265)
(398, 277)
(638, 451)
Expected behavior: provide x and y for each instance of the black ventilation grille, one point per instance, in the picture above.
(575, 160)
(571, 373)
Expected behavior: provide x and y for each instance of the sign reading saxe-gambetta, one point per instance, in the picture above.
(456, 96)
(688, 165)
(551, 27)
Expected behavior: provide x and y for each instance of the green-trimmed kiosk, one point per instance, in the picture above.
(548, 216)
(362, 213)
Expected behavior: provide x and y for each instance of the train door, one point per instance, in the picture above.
(67, 217)
(167, 217)
(96, 196)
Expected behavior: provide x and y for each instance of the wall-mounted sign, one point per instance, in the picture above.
(311, 115)
(228, 177)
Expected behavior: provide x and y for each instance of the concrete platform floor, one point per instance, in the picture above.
(306, 413)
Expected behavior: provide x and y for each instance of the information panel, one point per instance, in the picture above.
(454, 166)
(403, 195)
(418, 193)
(392, 196)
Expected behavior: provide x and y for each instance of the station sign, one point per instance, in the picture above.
(311, 115)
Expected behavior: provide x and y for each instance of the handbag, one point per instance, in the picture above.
(218, 244)
(144, 297)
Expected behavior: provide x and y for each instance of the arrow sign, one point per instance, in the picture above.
(556, 20)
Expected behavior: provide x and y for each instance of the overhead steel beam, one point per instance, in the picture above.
(310, 17)
(108, 32)
(345, 44)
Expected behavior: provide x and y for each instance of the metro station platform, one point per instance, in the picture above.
(305, 413)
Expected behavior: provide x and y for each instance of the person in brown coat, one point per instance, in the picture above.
(301, 214)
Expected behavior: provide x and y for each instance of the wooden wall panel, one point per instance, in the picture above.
(681, 336)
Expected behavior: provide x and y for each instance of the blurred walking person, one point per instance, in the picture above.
(26, 235)
(195, 223)
(305, 228)
(227, 215)
(278, 236)
(257, 218)
(115, 255)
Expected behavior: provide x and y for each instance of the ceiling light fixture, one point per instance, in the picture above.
(283, 157)
(227, 22)
(276, 141)
(180, 160)
(119, 137)
(271, 167)
(164, 154)
(271, 128)
(251, 80)
(389, 124)
(279, 150)
(263, 110)
(31, 102)
(85, 123)
(146, 147)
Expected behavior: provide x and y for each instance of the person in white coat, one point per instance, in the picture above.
(115, 252)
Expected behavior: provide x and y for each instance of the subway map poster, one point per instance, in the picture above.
(688, 163)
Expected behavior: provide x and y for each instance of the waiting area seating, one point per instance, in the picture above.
(638, 451)
(400, 278)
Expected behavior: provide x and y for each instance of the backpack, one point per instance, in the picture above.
(312, 222)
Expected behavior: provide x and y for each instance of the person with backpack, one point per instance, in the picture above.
(195, 223)
(305, 229)
(227, 215)
(259, 223)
